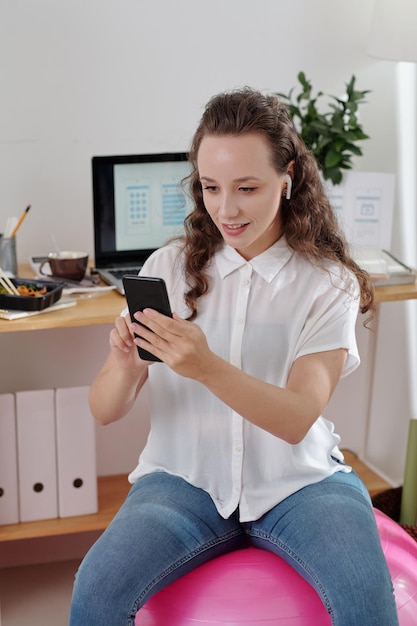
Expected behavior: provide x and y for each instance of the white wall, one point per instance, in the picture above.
(104, 76)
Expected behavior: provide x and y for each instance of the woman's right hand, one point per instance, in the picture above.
(115, 388)
(122, 347)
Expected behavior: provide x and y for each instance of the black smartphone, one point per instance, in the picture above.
(144, 292)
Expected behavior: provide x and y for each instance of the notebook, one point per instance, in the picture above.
(139, 202)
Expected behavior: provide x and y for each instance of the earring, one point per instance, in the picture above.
(288, 180)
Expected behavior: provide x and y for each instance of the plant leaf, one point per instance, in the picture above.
(331, 135)
(332, 158)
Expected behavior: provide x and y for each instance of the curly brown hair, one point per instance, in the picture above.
(308, 220)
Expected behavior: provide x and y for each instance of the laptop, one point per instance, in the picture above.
(139, 202)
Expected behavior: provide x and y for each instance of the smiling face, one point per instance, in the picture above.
(242, 191)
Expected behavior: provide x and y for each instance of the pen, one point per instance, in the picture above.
(19, 223)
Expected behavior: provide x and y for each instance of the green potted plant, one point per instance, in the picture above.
(332, 135)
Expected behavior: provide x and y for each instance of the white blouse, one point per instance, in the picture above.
(260, 315)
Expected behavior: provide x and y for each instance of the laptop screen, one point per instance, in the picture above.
(139, 202)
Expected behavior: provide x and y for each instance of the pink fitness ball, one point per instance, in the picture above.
(255, 587)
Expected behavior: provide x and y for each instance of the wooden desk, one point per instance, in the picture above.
(105, 309)
(396, 293)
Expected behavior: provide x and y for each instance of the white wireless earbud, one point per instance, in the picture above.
(288, 180)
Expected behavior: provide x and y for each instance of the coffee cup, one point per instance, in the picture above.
(67, 265)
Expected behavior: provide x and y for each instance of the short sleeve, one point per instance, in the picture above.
(331, 323)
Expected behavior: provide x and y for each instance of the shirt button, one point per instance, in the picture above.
(245, 282)
(240, 320)
(238, 449)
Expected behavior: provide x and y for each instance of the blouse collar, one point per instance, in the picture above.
(267, 264)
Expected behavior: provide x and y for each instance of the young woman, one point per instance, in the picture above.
(266, 298)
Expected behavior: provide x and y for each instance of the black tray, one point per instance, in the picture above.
(32, 303)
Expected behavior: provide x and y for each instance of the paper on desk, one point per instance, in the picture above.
(383, 268)
(364, 205)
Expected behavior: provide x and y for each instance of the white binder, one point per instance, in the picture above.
(36, 449)
(76, 453)
(9, 499)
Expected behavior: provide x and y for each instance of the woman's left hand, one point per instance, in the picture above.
(180, 344)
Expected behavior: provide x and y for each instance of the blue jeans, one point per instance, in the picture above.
(167, 527)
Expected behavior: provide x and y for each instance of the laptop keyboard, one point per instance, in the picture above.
(126, 270)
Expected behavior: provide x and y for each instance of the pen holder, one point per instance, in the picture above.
(8, 258)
